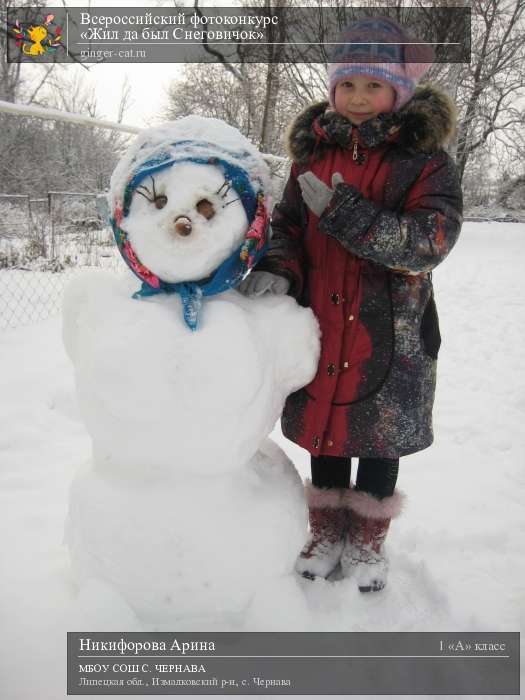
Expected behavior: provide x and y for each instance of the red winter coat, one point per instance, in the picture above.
(364, 268)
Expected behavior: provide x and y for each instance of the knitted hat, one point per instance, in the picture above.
(209, 142)
(380, 48)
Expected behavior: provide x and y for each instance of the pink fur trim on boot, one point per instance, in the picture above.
(322, 498)
(371, 507)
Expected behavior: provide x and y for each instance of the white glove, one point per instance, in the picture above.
(259, 283)
(316, 194)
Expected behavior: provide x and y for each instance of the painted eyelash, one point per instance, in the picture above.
(227, 184)
(222, 195)
(147, 194)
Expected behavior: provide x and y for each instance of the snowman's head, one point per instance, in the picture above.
(190, 203)
(184, 220)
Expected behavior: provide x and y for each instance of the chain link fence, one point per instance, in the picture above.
(43, 242)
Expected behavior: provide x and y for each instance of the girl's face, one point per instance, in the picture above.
(362, 97)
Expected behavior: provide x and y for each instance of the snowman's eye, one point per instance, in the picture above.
(159, 200)
(205, 208)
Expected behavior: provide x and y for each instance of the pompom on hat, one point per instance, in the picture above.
(381, 48)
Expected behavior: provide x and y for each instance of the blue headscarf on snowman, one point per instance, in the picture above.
(243, 168)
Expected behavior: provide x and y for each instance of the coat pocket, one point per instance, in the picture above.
(368, 344)
(429, 331)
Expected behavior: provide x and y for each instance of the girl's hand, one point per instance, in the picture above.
(316, 194)
(259, 283)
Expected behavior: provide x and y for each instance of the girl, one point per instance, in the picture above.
(372, 205)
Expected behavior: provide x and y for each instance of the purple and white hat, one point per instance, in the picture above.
(380, 48)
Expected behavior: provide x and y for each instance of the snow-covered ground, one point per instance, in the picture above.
(456, 553)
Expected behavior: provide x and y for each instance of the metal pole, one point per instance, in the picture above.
(60, 116)
(82, 120)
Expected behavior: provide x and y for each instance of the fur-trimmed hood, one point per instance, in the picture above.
(425, 124)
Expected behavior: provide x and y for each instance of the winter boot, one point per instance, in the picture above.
(363, 556)
(328, 520)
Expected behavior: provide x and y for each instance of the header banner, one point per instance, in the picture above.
(219, 34)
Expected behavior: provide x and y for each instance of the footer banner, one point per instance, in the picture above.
(309, 663)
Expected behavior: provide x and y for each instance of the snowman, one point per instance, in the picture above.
(186, 508)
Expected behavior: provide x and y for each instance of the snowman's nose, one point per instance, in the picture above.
(183, 225)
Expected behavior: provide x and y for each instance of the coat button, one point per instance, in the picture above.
(351, 317)
(317, 443)
(330, 443)
(345, 365)
(331, 369)
(336, 299)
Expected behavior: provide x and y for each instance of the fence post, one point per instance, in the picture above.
(28, 217)
(50, 212)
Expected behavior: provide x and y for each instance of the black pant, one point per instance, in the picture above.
(376, 476)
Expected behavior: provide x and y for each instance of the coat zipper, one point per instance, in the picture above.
(356, 156)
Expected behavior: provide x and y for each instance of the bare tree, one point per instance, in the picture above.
(212, 91)
(125, 100)
(511, 193)
(39, 156)
(259, 114)
(84, 156)
(492, 86)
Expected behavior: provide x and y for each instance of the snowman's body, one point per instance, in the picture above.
(183, 475)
